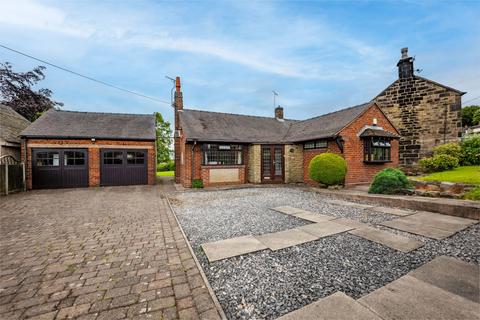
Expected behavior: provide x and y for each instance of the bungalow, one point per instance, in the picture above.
(81, 149)
(222, 148)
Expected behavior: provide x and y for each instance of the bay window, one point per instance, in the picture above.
(377, 149)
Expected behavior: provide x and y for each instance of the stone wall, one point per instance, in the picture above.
(254, 163)
(293, 163)
(425, 113)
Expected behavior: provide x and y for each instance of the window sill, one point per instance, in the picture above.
(223, 166)
(377, 161)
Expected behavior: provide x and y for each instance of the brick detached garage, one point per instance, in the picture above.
(222, 148)
(88, 149)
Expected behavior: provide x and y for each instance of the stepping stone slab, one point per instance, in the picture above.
(223, 249)
(350, 204)
(441, 221)
(313, 217)
(288, 210)
(394, 211)
(452, 275)
(409, 298)
(387, 239)
(417, 228)
(285, 239)
(337, 306)
(324, 229)
(351, 223)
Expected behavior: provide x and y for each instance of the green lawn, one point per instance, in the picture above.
(468, 174)
(165, 173)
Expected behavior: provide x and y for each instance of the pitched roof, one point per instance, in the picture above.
(325, 126)
(226, 127)
(74, 124)
(11, 124)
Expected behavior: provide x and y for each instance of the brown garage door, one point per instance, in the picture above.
(123, 167)
(59, 168)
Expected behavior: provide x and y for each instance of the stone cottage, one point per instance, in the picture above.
(222, 148)
(426, 113)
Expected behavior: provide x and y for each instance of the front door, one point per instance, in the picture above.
(272, 164)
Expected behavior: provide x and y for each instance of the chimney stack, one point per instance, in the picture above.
(178, 102)
(279, 112)
(405, 65)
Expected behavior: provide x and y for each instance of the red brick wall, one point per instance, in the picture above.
(358, 172)
(93, 155)
(202, 172)
(309, 154)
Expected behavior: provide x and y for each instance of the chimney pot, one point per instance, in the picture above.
(404, 53)
(279, 112)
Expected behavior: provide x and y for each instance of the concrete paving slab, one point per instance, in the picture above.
(440, 221)
(228, 248)
(409, 298)
(417, 228)
(313, 217)
(453, 275)
(349, 204)
(288, 210)
(324, 229)
(388, 239)
(284, 239)
(351, 223)
(394, 211)
(337, 306)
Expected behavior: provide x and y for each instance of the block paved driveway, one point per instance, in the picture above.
(99, 253)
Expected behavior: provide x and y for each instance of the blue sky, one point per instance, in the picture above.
(319, 55)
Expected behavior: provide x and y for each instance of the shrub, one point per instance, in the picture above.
(470, 151)
(327, 168)
(452, 149)
(197, 183)
(439, 162)
(473, 194)
(389, 181)
(166, 166)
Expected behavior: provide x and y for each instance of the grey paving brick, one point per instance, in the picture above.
(99, 248)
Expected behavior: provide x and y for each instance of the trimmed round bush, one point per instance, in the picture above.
(389, 181)
(439, 162)
(327, 168)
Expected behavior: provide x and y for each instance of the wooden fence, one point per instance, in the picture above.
(12, 175)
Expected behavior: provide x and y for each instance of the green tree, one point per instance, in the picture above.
(16, 91)
(470, 115)
(476, 117)
(164, 138)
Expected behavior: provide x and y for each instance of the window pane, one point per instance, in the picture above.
(118, 157)
(309, 145)
(55, 158)
(321, 144)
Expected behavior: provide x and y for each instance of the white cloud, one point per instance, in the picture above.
(30, 14)
(294, 50)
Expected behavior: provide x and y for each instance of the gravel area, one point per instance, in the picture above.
(265, 284)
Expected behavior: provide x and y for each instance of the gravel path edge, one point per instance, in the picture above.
(199, 266)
